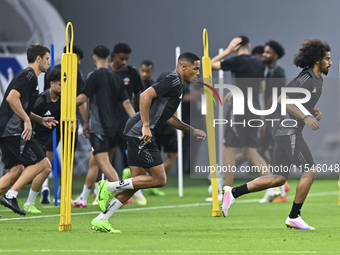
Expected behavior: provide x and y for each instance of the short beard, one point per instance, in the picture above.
(325, 72)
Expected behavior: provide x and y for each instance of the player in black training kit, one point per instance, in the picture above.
(158, 104)
(290, 147)
(19, 148)
(248, 71)
(275, 78)
(106, 93)
(47, 104)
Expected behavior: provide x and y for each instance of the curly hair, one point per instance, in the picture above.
(277, 47)
(311, 51)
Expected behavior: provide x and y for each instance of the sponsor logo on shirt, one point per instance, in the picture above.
(48, 113)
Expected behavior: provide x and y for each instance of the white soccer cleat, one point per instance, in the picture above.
(141, 200)
(298, 223)
(271, 193)
(228, 200)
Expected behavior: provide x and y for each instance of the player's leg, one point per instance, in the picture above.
(11, 162)
(303, 159)
(29, 154)
(35, 188)
(10, 178)
(101, 223)
(230, 163)
(91, 177)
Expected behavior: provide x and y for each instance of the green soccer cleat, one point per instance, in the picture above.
(126, 173)
(31, 209)
(103, 195)
(103, 226)
(156, 192)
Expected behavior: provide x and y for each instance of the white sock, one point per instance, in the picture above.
(282, 189)
(95, 188)
(32, 195)
(122, 184)
(11, 194)
(113, 206)
(45, 184)
(86, 192)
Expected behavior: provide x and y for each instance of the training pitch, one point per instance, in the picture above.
(173, 225)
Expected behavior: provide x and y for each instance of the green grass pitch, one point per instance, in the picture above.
(173, 225)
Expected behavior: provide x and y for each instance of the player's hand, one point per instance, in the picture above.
(200, 134)
(228, 98)
(27, 133)
(146, 137)
(49, 122)
(86, 130)
(313, 123)
(317, 114)
(234, 45)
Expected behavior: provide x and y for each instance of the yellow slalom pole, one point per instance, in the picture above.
(339, 140)
(207, 79)
(67, 128)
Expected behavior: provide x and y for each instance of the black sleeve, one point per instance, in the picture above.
(90, 86)
(228, 64)
(163, 87)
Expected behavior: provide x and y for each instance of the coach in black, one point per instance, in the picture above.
(290, 147)
(158, 104)
(19, 148)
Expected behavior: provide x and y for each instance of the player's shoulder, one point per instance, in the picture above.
(279, 72)
(304, 75)
(174, 78)
(28, 74)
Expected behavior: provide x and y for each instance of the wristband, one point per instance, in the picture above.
(305, 117)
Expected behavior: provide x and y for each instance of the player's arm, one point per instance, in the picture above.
(14, 102)
(81, 99)
(82, 110)
(144, 107)
(309, 120)
(178, 124)
(232, 47)
(128, 107)
(48, 122)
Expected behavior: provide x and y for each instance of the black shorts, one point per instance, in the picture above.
(120, 141)
(167, 141)
(291, 150)
(267, 142)
(100, 143)
(16, 151)
(141, 155)
(239, 136)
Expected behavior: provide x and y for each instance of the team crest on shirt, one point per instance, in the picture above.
(126, 81)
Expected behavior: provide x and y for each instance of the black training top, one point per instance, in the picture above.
(307, 80)
(26, 83)
(244, 67)
(133, 84)
(106, 94)
(45, 107)
(275, 78)
(169, 95)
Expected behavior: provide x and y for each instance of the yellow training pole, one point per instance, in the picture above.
(339, 138)
(207, 79)
(67, 128)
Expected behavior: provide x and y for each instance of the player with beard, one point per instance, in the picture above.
(290, 148)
